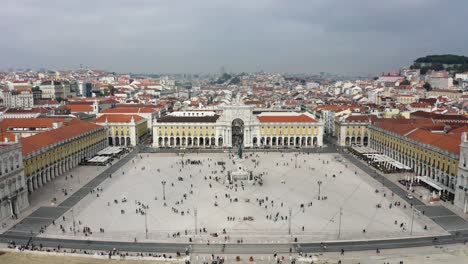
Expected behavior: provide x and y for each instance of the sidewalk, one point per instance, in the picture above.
(43, 197)
(441, 214)
(453, 254)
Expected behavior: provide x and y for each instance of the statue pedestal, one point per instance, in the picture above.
(240, 174)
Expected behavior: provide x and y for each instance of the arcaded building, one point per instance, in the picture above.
(233, 125)
(13, 190)
(53, 153)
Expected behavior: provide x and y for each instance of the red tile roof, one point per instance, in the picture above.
(76, 108)
(422, 114)
(420, 105)
(286, 119)
(449, 142)
(421, 130)
(26, 111)
(71, 129)
(118, 118)
(28, 122)
(134, 110)
(403, 126)
(361, 118)
(443, 91)
(10, 137)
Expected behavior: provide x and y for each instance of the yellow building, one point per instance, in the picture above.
(237, 125)
(190, 131)
(406, 99)
(352, 130)
(391, 113)
(423, 146)
(123, 129)
(52, 153)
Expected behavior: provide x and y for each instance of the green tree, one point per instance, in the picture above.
(424, 70)
(235, 80)
(427, 86)
(444, 59)
(60, 99)
(437, 66)
(405, 82)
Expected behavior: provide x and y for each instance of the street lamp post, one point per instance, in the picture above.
(164, 189)
(146, 224)
(319, 184)
(339, 224)
(182, 159)
(55, 194)
(412, 220)
(295, 166)
(195, 212)
(290, 214)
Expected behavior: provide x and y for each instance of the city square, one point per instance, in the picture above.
(181, 197)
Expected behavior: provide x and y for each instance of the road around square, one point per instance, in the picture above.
(92, 243)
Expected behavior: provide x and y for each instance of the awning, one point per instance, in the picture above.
(110, 151)
(365, 150)
(431, 182)
(99, 159)
(387, 160)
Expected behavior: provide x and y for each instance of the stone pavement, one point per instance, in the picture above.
(283, 184)
(438, 213)
(43, 216)
(44, 196)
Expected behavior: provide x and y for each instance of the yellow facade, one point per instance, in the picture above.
(126, 133)
(34, 163)
(186, 130)
(288, 130)
(436, 159)
(348, 134)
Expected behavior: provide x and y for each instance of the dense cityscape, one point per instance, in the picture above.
(406, 127)
(219, 132)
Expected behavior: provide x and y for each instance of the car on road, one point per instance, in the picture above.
(409, 196)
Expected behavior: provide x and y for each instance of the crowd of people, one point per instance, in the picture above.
(111, 254)
(183, 188)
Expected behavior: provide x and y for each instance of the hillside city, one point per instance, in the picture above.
(63, 131)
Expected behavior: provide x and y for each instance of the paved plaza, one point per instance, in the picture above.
(251, 213)
(67, 183)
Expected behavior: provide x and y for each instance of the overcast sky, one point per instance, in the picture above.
(174, 36)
